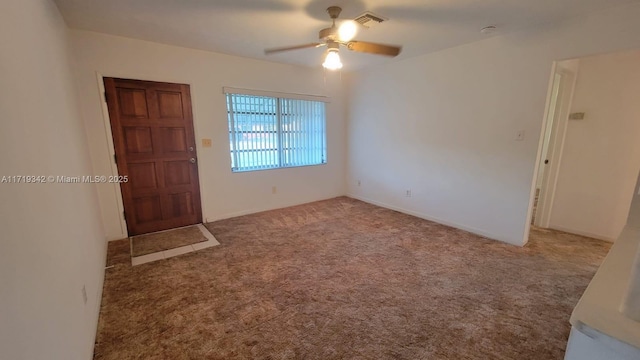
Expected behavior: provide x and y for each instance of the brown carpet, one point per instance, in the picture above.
(342, 279)
(165, 240)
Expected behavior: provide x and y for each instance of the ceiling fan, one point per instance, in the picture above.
(333, 37)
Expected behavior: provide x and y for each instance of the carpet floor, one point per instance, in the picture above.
(165, 240)
(343, 279)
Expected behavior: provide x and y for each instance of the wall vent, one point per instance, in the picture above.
(369, 19)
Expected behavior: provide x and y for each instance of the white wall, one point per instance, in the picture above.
(52, 242)
(444, 124)
(601, 156)
(224, 194)
(634, 212)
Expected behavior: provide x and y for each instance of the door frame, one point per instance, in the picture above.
(556, 145)
(106, 122)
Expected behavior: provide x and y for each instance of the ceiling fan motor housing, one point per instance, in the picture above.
(334, 11)
(333, 45)
(330, 37)
(328, 34)
(331, 33)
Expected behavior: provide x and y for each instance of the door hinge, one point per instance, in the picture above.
(124, 215)
(115, 158)
(106, 98)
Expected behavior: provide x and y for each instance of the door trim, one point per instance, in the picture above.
(106, 123)
(556, 147)
(536, 168)
(560, 143)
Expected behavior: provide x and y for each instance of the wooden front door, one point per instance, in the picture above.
(155, 148)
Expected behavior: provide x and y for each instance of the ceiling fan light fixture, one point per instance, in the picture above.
(333, 37)
(332, 60)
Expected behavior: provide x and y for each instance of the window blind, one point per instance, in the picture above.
(275, 132)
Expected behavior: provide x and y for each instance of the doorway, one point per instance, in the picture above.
(589, 144)
(155, 150)
(562, 87)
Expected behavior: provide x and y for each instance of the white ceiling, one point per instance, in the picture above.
(247, 27)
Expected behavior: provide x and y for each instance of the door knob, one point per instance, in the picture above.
(193, 160)
(191, 148)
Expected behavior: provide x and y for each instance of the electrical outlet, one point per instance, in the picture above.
(84, 294)
(520, 135)
(206, 142)
(407, 193)
(576, 116)
(274, 190)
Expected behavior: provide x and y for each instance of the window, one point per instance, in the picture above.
(267, 132)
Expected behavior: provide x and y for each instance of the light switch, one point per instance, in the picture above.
(206, 142)
(520, 135)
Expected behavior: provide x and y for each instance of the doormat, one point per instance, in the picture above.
(165, 240)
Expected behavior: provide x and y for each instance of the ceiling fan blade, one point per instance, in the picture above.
(287, 48)
(373, 48)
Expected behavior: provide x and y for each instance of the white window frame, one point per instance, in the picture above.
(278, 96)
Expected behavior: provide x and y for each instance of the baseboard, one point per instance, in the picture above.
(268, 208)
(117, 237)
(581, 233)
(470, 229)
(98, 294)
(242, 213)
